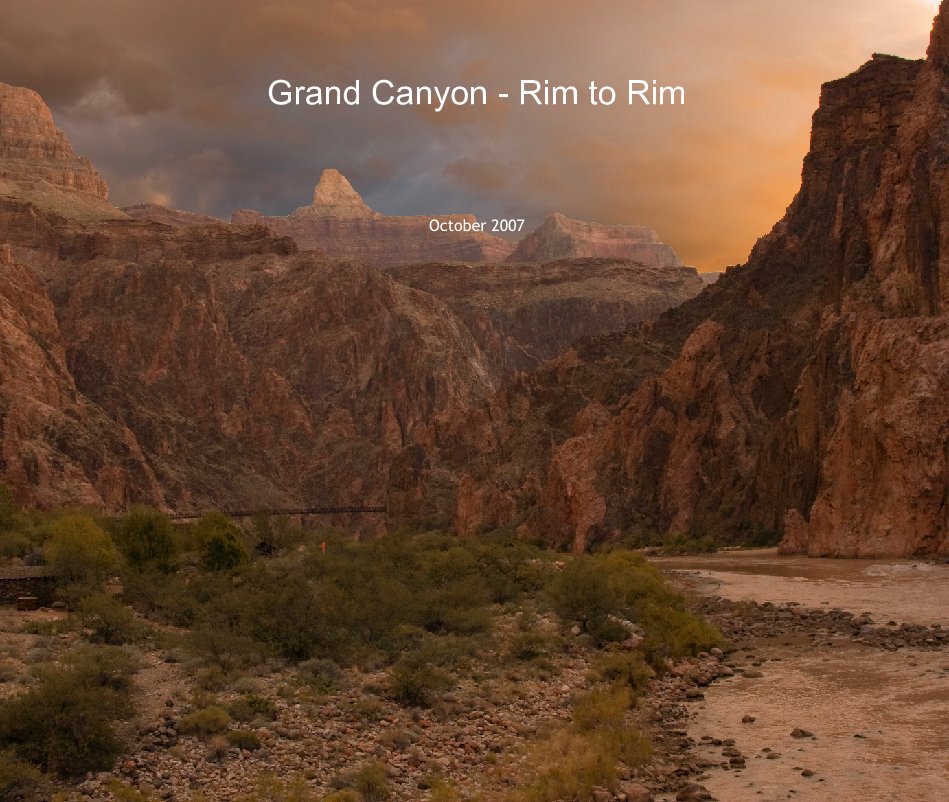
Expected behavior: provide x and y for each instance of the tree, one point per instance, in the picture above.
(80, 551)
(222, 547)
(147, 539)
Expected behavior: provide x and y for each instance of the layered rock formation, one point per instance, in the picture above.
(522, 315)
(179, 360)
(561, 237)
(156, 213)
(339, 223)
(803, 394)
(37, 162)
(211, 366)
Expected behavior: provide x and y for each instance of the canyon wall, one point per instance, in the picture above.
(522, 315)
(561, 237)
(803, 395)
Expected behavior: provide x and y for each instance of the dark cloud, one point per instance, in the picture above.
(479, 175)
(169, 100)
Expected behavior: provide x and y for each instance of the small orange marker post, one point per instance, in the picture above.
(323, 544)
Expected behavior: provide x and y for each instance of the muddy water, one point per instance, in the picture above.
(880, 719)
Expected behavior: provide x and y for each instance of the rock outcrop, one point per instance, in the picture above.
(561, 237)
(525, 314)
(37, 161)
(802, 395)
(339, 223)
(211, 366)
(166, 357)
(156, 213)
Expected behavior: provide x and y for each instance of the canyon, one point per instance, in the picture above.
(151, 355)
(577, 388)
(801, 398)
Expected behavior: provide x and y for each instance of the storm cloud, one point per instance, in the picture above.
(170, 102)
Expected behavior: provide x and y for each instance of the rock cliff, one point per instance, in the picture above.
(37, 161)
(211, 366)
(802, 395)
(339, 223)
(160, 356)
(156, 213)
(561, 237)
(525, 314)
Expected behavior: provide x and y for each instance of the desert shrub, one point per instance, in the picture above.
(582, 592)
(244, 739)
(268, 788)
(222, 647)
(221, 544)
(8, 672)
(601, 708)
(65, 723)
(218, 747)
(675, 633)
(624, 668)
(147, 540)
(109, 620)
(324, 676)
(343, 795)
(670, 629)
(165, 597)
(252, 707)
(417, 684)
(528, 645)
(572, 764)
(204, 722)
(80, 551)
(591, 589)
(19, 781)
(371, 782)
(586, 754)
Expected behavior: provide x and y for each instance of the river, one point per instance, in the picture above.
(880, 719)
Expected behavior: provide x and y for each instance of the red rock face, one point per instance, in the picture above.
(156, 213)
(522, 315)
(181, 361)
(561, 237)
(38, 164)
(338, 223)
(33, 148)
(211, 366)
(804, 393)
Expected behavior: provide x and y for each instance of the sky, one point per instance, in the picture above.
(169, 100)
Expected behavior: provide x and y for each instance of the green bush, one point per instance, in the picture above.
(19, 781)
(80, 551)
(205, 722)
(244, 739)
(601, 708)
(65, 723)
(252, 707)
(268, 788)
(109, 620)
(417, 684)
(324, 676)
(147, 540)
(372, 783)
(591, 589)
(222, 546)
(582, 592)
(625, 668)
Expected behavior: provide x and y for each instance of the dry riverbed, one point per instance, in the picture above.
(843, 698)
